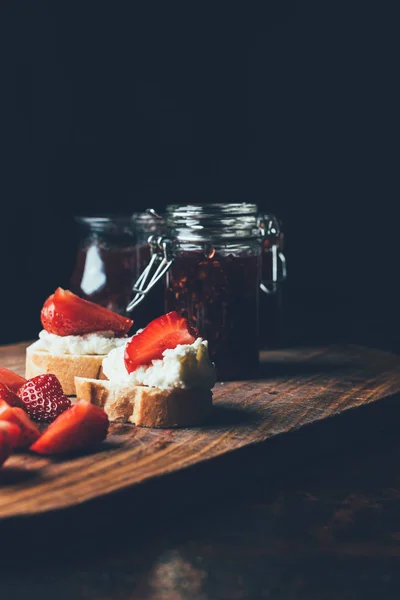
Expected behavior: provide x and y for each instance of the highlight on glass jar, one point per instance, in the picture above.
(211, 259)
(112, 252)
(273, 275)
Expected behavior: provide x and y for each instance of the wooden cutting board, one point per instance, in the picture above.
(297, 387)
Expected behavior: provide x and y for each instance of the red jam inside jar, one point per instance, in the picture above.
(113, 251)
(214, 281)
(219, 294)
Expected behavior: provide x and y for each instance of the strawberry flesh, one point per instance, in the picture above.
(43, 397)
(82, 426)
(165, 332)
(9, 436)
(10, 397)
(11, 379)
(28, 430)
(64, 313)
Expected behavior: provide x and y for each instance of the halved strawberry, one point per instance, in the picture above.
(165, 332)
(9, 436)
(11, 379)
(64, 313)
(29, 431)
(81, 426)
(10, 397)
(43, 397)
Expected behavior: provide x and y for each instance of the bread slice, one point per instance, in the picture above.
(63, 366)
(146, 406)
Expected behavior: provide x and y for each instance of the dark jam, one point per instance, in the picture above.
(106, 276)
(220, 295)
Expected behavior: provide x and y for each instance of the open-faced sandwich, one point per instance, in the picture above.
(76, 336)
(160, 377)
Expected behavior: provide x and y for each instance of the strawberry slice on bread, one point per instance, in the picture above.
(164, 333)
(65, 313)
(66, 347)
(177, 396)
(81, 426)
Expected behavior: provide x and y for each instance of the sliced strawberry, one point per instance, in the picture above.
(29, 431)
(64, 313)
(43, 397)
(165, 332)
(11, 379)
(82, 426)
(10, 397)
(9, 436)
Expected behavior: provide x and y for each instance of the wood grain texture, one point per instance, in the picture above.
(296, 387)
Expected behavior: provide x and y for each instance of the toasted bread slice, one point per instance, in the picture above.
(63, 366)
(146, 406)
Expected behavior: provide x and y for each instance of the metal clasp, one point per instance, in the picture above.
(162, 256)
(270, 227)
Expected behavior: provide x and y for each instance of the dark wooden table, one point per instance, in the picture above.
(327, 529)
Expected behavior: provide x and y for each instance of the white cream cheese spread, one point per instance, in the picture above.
(186, 366)
(98, 342)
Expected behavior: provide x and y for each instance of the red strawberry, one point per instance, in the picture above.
(82, 426)
(9, 436)
(165, 332)
(8, 396)
(29, 431)
(11, 379)
(64, 313)
(44, 398)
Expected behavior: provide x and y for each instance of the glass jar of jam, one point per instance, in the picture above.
(112, 252)
(212, 261)
(273, 275)
(214, 280)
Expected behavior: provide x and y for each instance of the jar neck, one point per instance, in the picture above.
(107, 224)
(113, 231)
(212, 222)
(121, 229)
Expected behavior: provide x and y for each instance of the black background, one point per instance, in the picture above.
(120, 105)
(116, 106)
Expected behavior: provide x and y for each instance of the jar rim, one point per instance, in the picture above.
(211, 209)
(104, 219)
(202, 222)
(107, 221)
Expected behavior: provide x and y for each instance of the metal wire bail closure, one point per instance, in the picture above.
(270, 228)
(162, 256)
